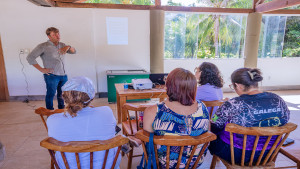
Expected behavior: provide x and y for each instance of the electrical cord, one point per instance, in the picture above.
(27, 84)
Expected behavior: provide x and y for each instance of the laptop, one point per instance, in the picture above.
(158, 78)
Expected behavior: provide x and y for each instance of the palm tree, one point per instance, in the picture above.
(206, 34)
(215, 20)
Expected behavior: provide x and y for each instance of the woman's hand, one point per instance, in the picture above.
(225, 99)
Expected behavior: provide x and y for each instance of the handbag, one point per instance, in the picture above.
(151, 156)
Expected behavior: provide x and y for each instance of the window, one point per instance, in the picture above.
(279, 37)
(204, 36)
(210, 3)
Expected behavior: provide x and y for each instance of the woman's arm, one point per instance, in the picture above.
(221, 117)
(149, 116)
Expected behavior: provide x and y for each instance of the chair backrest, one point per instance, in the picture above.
(136, 108)
(258, 132)
(212, 104)
(44, 113)
(83, 146)
(180, 141)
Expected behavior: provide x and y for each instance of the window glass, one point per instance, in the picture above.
(271, 36)
(204, 36)
(279, 37)
(210, 3)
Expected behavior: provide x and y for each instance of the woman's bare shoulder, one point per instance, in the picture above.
(149, 116)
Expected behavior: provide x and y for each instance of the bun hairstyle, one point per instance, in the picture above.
(210, 74)
(247, 77)
(75, 101)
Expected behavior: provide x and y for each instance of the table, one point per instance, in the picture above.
(130, 94)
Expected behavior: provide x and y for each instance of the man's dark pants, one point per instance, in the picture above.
(53, 83)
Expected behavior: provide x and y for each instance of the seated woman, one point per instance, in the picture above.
(210, 83)
(82, 123)
(253, 108)
(179, 114)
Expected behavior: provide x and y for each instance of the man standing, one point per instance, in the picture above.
(52, 54)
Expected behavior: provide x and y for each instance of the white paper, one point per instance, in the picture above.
(117, 30)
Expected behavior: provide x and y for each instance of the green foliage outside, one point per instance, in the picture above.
(279, 37)
(291, 47)
(222, 36)
(206, 36)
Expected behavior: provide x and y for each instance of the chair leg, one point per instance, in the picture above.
(213, 162)
(52, 164)
(130, 159)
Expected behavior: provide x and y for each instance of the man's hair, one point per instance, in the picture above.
(51, 29)
(181, 86)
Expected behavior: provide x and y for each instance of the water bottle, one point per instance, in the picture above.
(125, 86)
(141, 117)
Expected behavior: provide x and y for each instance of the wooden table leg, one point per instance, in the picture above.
(119, 109)
(122, 102)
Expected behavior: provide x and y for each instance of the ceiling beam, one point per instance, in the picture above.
(254, 3)
(148, 7)
(45, 3)
(157, 2)
(275, 5)
(50, 2)
(284, 11)
(107, 6)
(66, 1)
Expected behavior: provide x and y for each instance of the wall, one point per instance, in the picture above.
(23, 25)
(226, 66)
(278, 73)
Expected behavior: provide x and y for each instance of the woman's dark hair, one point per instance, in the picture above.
(75, 101)
(181, 86)
(210, 74)
(247, 77)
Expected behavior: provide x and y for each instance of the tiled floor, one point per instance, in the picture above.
(21, 132)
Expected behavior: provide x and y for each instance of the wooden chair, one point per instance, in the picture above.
(268, 161)
(292, 152)
(45, 113)
(83, 146)
(212, 104)
(130, 126)
(181, 141)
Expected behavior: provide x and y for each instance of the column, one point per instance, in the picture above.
(157, 18)
(252, 39)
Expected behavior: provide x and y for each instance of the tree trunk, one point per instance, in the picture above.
(216, 40)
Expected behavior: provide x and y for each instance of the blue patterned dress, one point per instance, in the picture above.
(167, 122)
